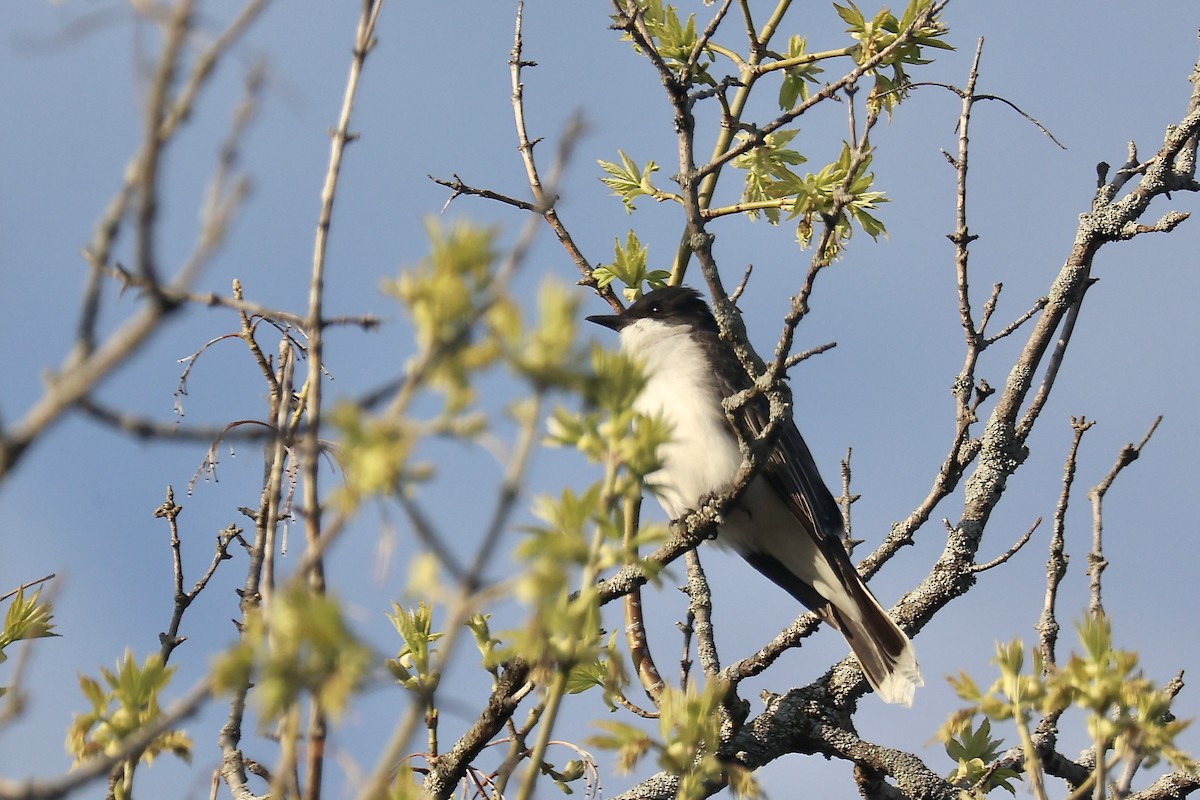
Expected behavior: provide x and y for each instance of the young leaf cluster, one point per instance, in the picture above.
(675, 40)
(608, 430)
(123, 702)
(879, 32)
(628, 181)
(839, 196)
(689, 733)
(836, 195)
(298, 644)
(375, 451)
(445, 295)
(770, 181)
(564, 628)
(1127, 716)
(794, 87)
(413, 666)
(629, 266)
(546, 355)
(26, 618)
(974, 750)
(583, 533)
(488, 645)
(465, 322)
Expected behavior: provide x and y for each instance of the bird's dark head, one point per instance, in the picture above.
(670, 306)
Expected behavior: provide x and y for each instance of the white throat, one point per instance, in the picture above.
(702, 456)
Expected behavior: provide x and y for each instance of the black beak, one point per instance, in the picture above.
(612, 321)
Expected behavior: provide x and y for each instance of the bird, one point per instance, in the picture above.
(786, 524)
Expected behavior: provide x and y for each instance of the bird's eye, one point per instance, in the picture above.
(656, 308)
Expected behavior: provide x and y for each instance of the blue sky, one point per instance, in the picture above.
(435, 100)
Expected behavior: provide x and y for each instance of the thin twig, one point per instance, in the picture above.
(1012, 551)
(310, 451)
(962, 237)
(458, 187)
(796, 358)
(635, 625)
(736, 294)
(1012, 327)
(846, 501)
(1028, 117)
(429, 537)
(174, 35)
(1056, 565)
(1053, 365)
(1096, 561)
(26, 585)
(169, 510)
(544, 199)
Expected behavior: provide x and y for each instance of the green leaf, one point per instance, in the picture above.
(768, 173)
(629, 266)
(794, 87)
(585, 676)
(27, 618)
(851, 16)
(629, 742)
(413, 665)
(1123, 710)
(444, 296)
(301, 645)
(881, 32)
(673, 39)
(547, 354)
(627, 180)
(124, 704)
(487, 644)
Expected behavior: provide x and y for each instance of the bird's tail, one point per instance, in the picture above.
(814, 568)
(888, 658)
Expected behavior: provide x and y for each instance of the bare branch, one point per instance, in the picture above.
(1012, 327)
(1012, 551)
(1096, 561)
(635, 626)
(1056, 565)
(1045, 131)
(700, 612)
(26, 585)
(545, 200)
(1172, 786)
(459, 188)
(796, 358)
(310, 450)
(741, 287)
(169, 510)
(847, 501)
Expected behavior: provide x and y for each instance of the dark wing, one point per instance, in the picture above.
(886, 655)
(790, 468)
(792, 473)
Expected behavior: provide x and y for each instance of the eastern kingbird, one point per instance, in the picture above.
(786, 523)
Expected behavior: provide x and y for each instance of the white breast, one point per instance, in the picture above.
(702, 456)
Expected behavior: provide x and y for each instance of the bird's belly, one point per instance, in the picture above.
(701, 457)
(761, 523)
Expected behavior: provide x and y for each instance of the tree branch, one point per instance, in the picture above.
(1096, 561)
